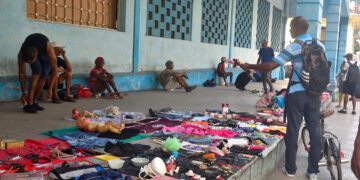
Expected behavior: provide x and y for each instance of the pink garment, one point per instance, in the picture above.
(161, 177)
(176, 129)
(265, 101)
(223, 133)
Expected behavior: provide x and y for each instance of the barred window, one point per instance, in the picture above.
(95, 13)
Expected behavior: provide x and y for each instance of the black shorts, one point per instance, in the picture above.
(349, 88)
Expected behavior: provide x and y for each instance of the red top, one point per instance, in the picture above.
(93, 77)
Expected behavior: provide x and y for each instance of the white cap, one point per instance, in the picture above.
(56, 44)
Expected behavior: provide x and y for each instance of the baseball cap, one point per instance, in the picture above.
(169, 62)
(348, 55)
(56, 44)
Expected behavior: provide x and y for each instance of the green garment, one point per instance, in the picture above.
(165, 76)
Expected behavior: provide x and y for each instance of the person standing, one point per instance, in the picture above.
(350, 80)
(340, 83)
(300, 103)
(37, 51)
(266, 54)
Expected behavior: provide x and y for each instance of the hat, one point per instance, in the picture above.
(348, 55)
(169, 62)
(98, 59)
(56, 44)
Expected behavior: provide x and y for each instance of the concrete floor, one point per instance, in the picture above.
(17, 125)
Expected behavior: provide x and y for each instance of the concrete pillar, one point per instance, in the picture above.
(332, 35)
(312, 11)
(344, 23)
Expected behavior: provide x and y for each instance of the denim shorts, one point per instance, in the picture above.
(41, 66)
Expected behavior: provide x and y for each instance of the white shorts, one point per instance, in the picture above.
(171, 85)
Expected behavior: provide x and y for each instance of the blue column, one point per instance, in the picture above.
(312, 11)
(136, 36)
(344, 22)
(332, 35)
(231, 29)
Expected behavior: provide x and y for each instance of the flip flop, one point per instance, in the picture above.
(69, 99)
(56, 101)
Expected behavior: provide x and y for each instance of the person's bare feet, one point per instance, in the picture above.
(119, 95)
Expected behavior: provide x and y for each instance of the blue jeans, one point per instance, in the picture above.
(84, 140)
(299, 105)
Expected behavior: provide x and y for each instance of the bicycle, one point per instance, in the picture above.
(330, 146)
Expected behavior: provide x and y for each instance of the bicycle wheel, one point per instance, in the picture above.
(334, 160)
(305, 136)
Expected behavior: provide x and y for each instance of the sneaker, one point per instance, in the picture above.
(191, 89)
(342, 111)
(353, 112)
(311, 176)
(286, 173)
(30, 108)
(38, 107)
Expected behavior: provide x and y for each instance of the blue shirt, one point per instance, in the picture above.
(267, 54)
(292, 53)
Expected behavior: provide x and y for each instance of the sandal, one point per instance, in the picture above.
(112, 96)
(56, 101)
(69, 99)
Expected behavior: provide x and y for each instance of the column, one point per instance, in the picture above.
(344, 22)
(332, 35)
(312, 11)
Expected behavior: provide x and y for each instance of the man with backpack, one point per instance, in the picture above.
(350, 80)
(308, 80)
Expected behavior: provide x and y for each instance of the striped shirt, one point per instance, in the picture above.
(292, 53)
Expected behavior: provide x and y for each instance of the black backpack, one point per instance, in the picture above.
(316, 68)
(353, 73)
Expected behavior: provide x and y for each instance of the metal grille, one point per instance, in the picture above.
(214, 22)
(243, 23)
(96, 13)
(276, 30)
(262, 22)
(169, 19)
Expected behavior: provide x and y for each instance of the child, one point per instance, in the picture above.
(100, 80)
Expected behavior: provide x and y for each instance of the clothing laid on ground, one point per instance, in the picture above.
(92, 78)
(170, 113)
(300, 104)
(267, 54)
(242, 80)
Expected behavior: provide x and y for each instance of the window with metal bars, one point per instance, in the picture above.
(95, 13)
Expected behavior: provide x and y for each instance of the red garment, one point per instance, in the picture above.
(93, 72)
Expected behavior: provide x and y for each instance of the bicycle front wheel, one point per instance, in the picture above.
(334, 160)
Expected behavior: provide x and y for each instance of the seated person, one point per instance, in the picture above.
(221, 71)
(178, 80)
(64, 67)
(100, 80)
(243, 79)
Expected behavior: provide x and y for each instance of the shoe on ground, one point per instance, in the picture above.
(311, 176)
(353, 112)
(190, 88)
(38, 107)
(286, 173)
(30, 108)
(226, 84)
(342, 111)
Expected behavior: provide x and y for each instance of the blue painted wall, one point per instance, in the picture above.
(132, 56)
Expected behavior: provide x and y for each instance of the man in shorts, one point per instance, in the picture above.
(340, 83)
(37, 51)
(170, 84)
(349, 88)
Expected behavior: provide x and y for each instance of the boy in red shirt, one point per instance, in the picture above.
(100, 80)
